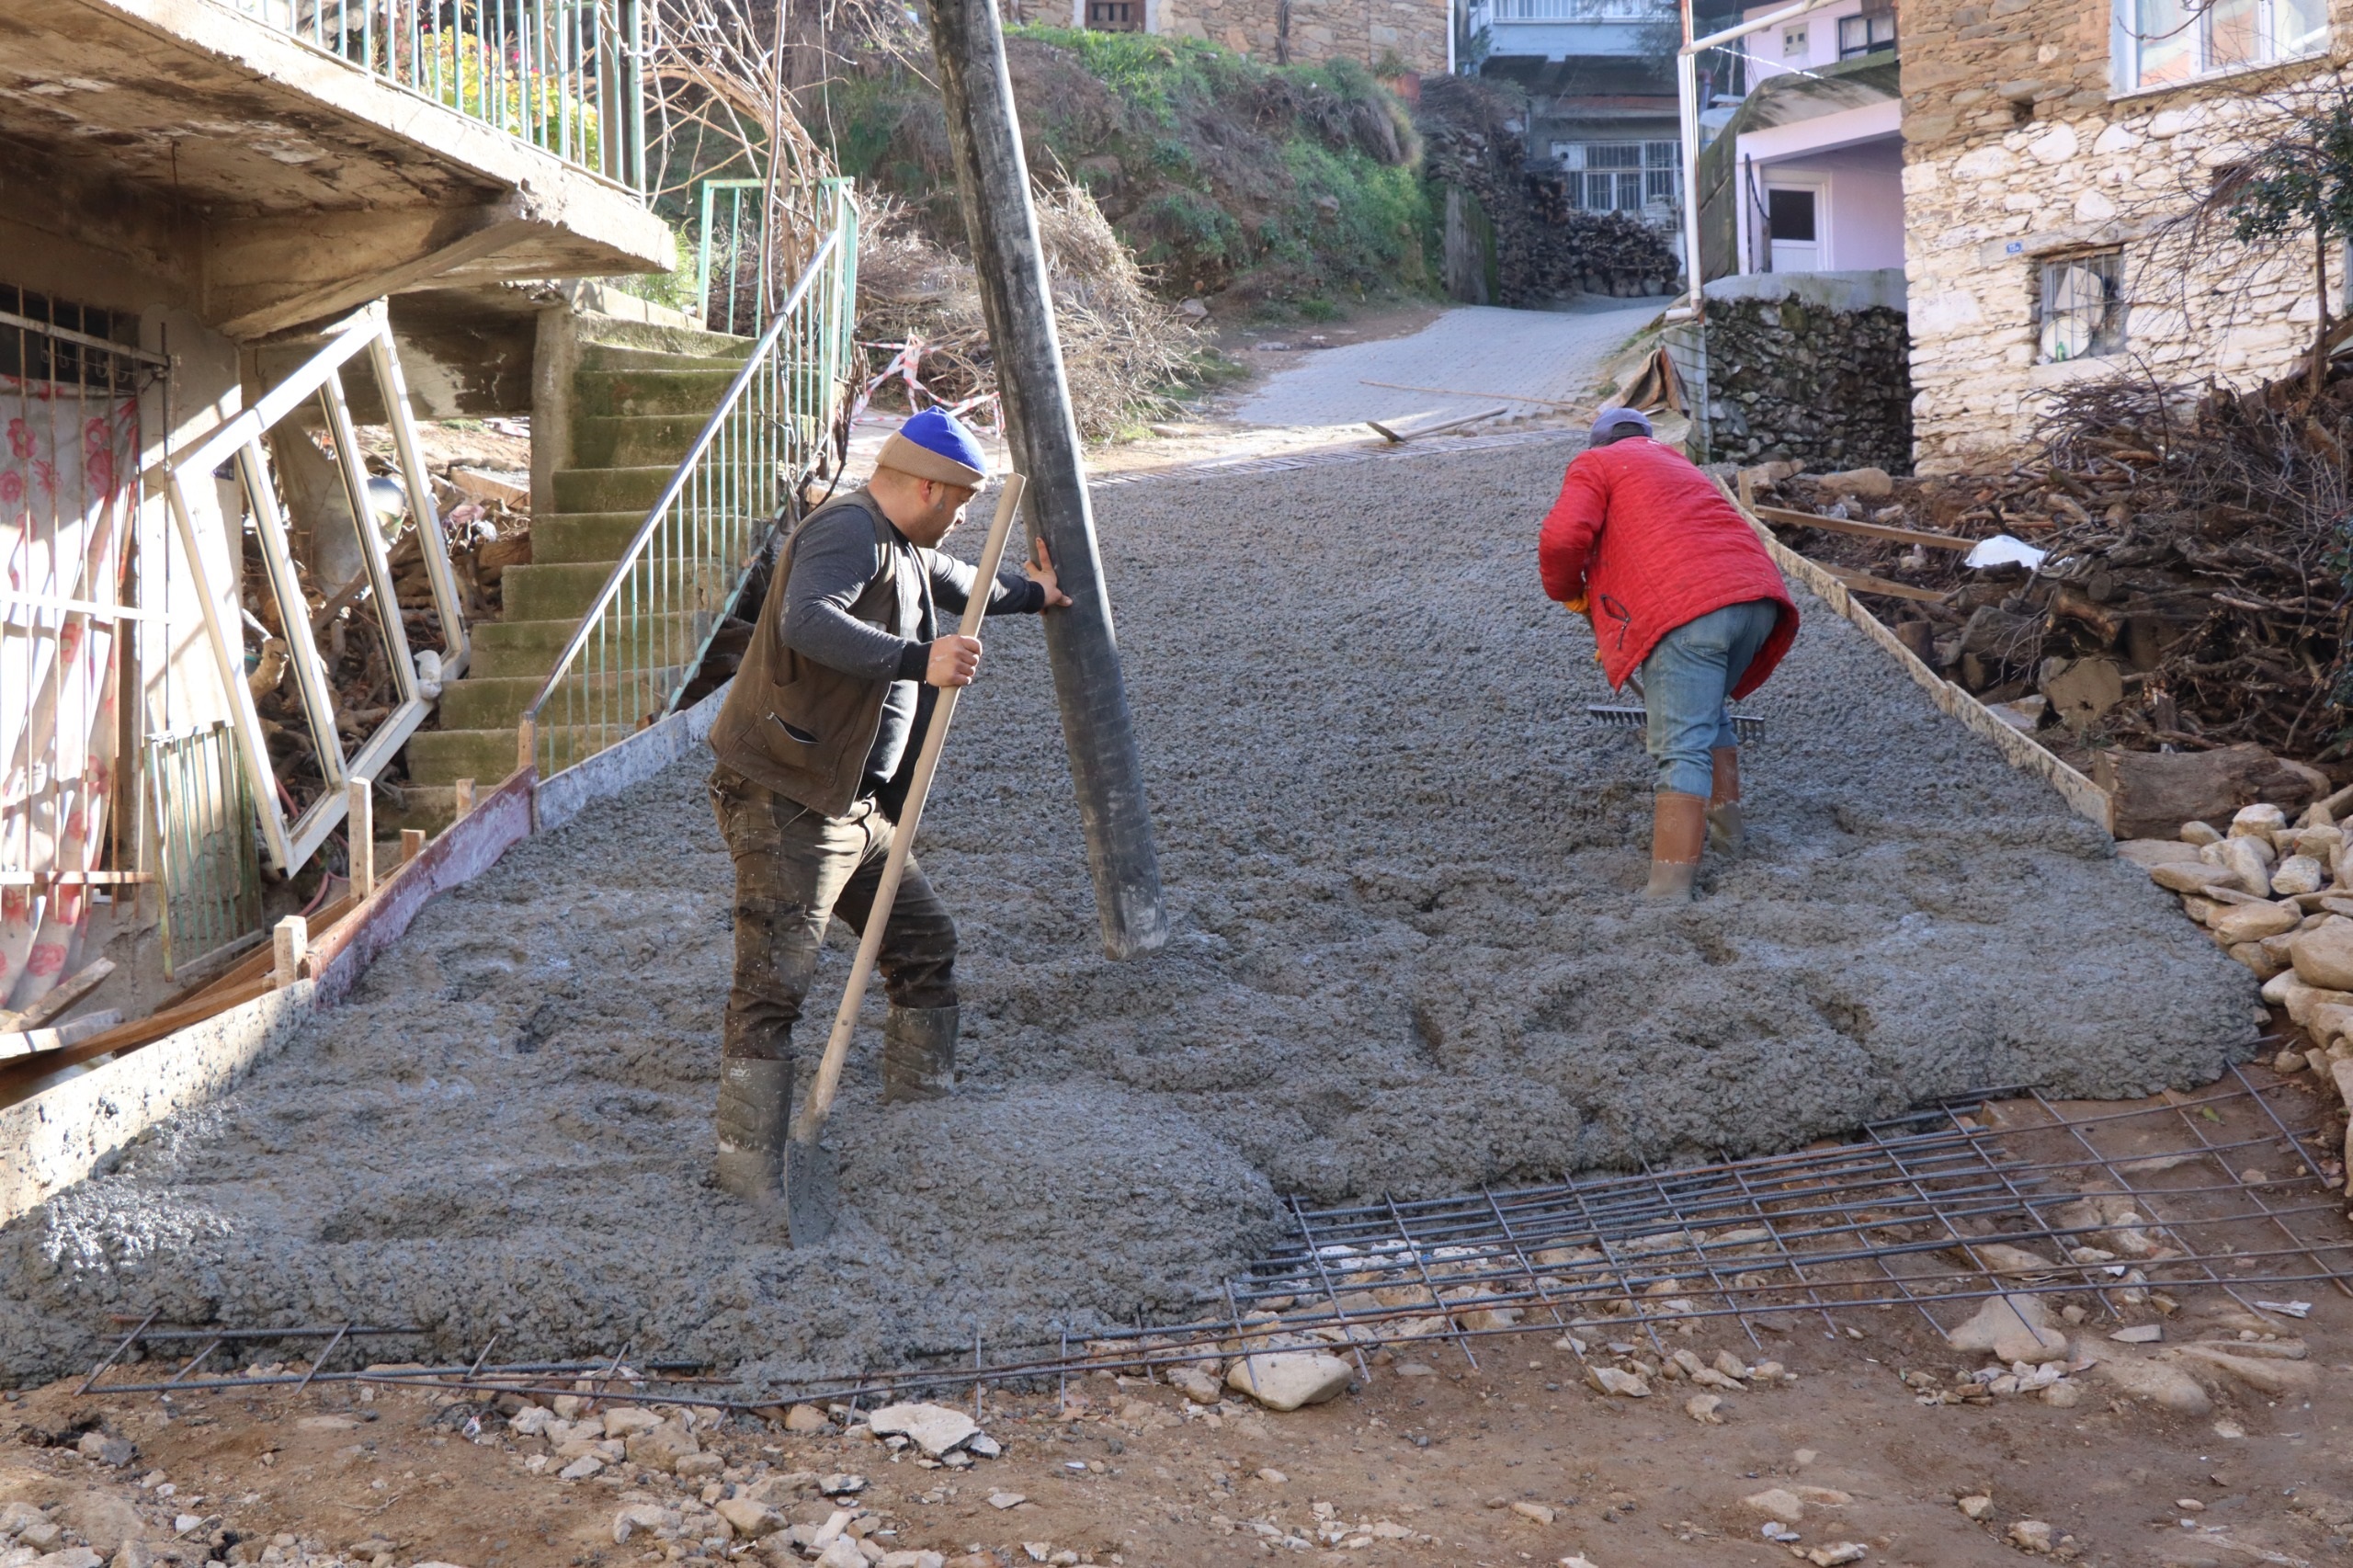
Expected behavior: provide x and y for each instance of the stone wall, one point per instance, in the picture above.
(2017, 154)
(1410, 34)
(1809, 368)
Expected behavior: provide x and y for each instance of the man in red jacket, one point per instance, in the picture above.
(1677, 585)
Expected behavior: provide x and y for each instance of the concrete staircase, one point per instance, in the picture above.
(634, 410)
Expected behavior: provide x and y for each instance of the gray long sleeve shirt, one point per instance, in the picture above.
(834, 560)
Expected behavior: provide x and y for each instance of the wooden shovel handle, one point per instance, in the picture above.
(809, 1122)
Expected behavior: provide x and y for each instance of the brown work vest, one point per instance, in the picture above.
(801, 728)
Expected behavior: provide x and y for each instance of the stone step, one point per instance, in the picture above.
(569, 588)
(632, 440)
(508, 649)
(441, 758)
(492, 701)
(561, 538)
(723, 354)
(599, 394)
(612, 489)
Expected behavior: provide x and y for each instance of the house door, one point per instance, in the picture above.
(1793, 217)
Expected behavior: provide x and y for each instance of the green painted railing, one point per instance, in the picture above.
(565, 75)
(642, 639)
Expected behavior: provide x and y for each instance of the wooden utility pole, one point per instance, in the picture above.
(993, 178)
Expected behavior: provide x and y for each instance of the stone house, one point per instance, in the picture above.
(2049, 149)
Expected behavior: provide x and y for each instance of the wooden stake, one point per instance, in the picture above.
(992, 178)
(412, 844)
(359, 832)
(290, 943)
(464, 793)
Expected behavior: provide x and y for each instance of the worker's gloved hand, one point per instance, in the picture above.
(1581, 604)
(954, 661)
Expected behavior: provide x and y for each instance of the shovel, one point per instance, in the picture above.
(810, 1207)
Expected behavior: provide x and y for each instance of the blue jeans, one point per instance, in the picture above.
(1686, 681)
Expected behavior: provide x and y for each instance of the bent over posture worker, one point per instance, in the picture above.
(815, 744)
(1677, 585)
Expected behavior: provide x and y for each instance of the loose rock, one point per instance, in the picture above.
(933, 1428)
(2030, 1534)
(806, 1419)
(1286, 1380)
(1535, 1511)
(2324, 956)
(1776, 1502)
(1202, 1389)
(2253, 921)
(1704, 1408)
(2159, 1383)
(1625, 1385)
(1976, 1505)
(2014, 1328)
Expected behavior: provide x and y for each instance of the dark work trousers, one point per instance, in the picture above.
(795, 868)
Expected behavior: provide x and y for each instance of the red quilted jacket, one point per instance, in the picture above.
(1653, 545)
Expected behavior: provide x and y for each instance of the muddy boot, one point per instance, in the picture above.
(1678, 829)
(754, 1105)
(1727, 833)
(918, 1053)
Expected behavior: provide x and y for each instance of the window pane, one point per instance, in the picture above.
(2167, 42)
(2231, 34)
(1789, 215)
(2299, 27)
(2082, 307)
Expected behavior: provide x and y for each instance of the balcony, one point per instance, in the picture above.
(1564, 29)
(292, 159)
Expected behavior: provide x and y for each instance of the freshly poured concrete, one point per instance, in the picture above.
(1406, 957)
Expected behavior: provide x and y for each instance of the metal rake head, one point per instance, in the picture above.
(1747, 726)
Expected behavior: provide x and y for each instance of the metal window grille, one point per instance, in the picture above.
(69, 495)
(206, 849)
(1583, 10)
(1622, 176)
(2081, 306)
(1115, 16)
(565, 75)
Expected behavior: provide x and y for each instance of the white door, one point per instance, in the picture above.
(1796, 220)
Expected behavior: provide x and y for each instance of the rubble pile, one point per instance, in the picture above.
(1793, 379)
(1122, 347)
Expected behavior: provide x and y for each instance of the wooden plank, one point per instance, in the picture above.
(261, 958)
(1865, 531)
(61, 997)
(31, 1042)
(1864, 583)
(154, 1027)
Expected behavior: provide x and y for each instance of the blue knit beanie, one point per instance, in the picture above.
(935, 444)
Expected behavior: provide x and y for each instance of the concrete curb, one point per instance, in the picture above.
(58, 1134)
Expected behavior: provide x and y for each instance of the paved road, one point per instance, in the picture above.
(1501, 357)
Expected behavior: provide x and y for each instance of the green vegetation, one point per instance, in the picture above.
(1292, 190)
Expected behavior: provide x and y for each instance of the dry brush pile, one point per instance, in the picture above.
(1122, 347)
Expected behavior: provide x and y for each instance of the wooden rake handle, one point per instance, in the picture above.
(809, 1122)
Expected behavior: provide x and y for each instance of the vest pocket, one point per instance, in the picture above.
(792, 733)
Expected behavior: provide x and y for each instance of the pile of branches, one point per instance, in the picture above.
(2202, 537)
(1123, 350)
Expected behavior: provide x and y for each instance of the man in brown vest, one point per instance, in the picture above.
(815, 744)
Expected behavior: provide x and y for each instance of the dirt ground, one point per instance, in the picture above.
(1420, 1463)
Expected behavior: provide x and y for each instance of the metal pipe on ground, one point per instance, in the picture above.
(994, 177)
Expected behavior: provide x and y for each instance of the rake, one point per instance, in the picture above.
(1614, 716)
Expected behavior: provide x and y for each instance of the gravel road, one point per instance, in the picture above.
(1407, 957)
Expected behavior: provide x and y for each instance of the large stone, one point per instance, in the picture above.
(2012, 1328)
(2262, 1374)
(623, 1420)
(2152, 852)
(2253, 921)
(2247, 863)
(2161, 1384)
(661, 1447)
(1194, 1384)
(2192, 875)
(1286, 1380)
(2324, 955)
(933, 1428)
(2297, 873)
(806, 1419)
(749, 1521)
(642, 1518)
(1864, 484)
(2261, 820)
(1776, 1502)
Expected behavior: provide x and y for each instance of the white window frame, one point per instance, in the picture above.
(1657, 162)
(2127, 44)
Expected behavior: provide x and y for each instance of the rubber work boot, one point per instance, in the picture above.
(1678, 830)
(918, 1053)
(1727, 833)
(754, 1107)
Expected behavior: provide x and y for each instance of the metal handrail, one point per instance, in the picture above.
(760, 441)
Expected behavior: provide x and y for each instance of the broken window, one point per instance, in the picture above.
(2160, 43)
(1858, 36)
(2082, 307)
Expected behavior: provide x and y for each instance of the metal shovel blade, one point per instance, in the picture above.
(811, 1198)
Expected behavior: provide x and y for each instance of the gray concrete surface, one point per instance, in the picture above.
(1407, 957)
(1476, 349)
